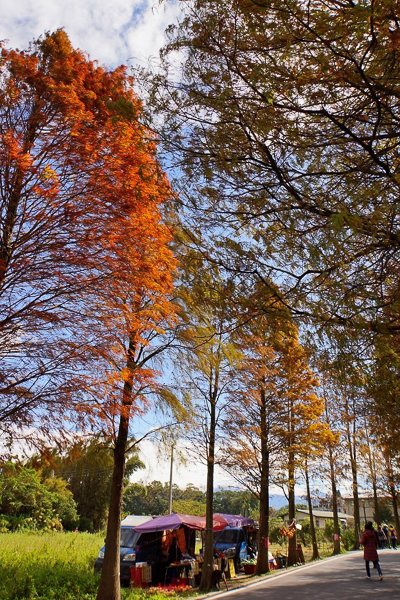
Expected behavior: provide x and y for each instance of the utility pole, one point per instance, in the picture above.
(170, 480)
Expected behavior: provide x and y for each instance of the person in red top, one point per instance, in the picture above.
(370, 542)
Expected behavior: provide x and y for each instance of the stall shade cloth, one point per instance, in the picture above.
(235, 520)
(176, 520)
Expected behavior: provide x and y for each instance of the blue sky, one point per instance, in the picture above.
(111, 32)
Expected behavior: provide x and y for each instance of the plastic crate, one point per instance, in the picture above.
(136, 575)
(146, 573)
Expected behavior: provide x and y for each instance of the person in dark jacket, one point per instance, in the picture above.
(382, 538)
(385, 530)
(370, 542)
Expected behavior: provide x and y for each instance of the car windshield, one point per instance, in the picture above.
(227, 536)
(128, 537)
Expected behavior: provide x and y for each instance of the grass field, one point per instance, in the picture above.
(50, 566)
(54, 566)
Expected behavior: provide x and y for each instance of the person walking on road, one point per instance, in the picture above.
(393, 537)
(382, 538)
(370, 542)
(385, 530)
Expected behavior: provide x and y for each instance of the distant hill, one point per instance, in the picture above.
(277, 501)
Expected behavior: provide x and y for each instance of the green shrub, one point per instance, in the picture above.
(329, 530)
(4, 524)
(274, 536)
(28, 503)
(85, 524)
(348, 538)
(304, 534)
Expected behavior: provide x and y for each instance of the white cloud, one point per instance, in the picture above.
(113, 33)
(158, 468)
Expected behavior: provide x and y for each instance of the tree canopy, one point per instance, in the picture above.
(284, 116)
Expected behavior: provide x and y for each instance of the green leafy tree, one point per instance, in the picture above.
(385, 513)
(305, 533)
(63, 503)
(87, 468)
(237, 502)
(151, 499)
(284, 116)
(191, 493)
(189, 507)
(329, 530)
(25, 501)
(348, 538)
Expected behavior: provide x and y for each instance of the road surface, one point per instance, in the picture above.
(337, 578)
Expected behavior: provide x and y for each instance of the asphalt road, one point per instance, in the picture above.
(338, 578)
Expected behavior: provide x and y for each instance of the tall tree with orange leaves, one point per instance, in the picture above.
(79, 197)
(275, 413)
(85, 264)
(300, 428)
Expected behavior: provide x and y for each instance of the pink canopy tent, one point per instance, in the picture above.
(176, 520)
(235, 520)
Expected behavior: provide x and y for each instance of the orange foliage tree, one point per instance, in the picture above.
(275, 415)
(85, 264)
(79, 197)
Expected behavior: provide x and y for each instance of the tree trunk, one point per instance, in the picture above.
(377, 509)
(353, 462)
(292, 551)
(356, 501)
(356, 507)
(336, 525)
(292, 545)
(13, 198)
(372, 470)
(393, 494)
(315, 552)
(208, 564)
(109, 587)
(263, 533)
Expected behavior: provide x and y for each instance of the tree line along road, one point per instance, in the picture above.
(337, 578)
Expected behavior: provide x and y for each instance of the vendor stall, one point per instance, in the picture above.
(238, 540)
(177, 539)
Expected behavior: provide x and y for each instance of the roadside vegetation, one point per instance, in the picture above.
(53, 566)
(48, 565)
